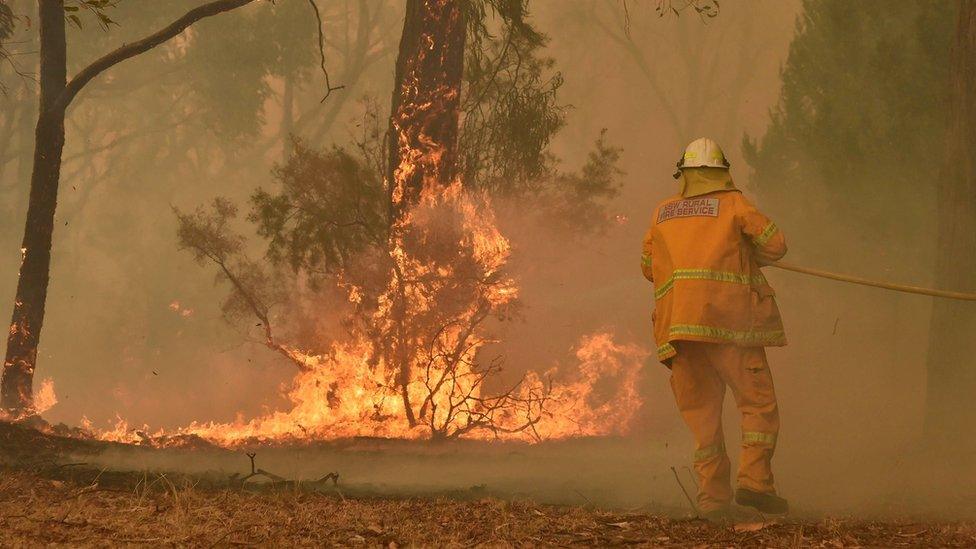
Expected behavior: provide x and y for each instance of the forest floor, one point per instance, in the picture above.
(46, 499)
(35, 510)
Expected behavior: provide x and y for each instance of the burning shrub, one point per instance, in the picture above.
(419, 255)
(411, 366)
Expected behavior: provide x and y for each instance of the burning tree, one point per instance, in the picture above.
(448, 278)
(417, 250)
(423, 152)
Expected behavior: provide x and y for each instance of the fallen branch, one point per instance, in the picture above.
(258, 472)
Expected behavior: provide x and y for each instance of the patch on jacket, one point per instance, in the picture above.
(689, 207)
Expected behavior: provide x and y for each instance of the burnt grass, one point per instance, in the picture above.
(50, 495)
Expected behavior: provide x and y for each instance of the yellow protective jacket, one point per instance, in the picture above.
(703, 253)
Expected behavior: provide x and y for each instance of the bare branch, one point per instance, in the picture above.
(328, 85)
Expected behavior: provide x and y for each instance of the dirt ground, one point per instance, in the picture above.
(35, 510)
(53, 490)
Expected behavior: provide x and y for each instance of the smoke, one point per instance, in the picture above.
(134, 327)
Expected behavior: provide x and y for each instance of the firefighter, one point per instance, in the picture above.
(714, 315)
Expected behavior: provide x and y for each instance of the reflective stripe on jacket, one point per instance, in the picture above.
(703, 254)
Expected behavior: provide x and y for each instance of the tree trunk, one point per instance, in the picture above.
(426, 102)
(32, 283)
(425, 112)
(408, 44)
(950, 403)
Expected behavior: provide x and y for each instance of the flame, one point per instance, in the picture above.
(414, 368)
(44, 397)
(355, 389)
(121, 431)
(342, 397)
(580, 408)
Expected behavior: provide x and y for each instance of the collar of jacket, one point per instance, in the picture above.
(699, 181)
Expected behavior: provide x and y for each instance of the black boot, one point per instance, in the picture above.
(764, 503)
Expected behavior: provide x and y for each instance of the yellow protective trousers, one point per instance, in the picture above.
(699, 374)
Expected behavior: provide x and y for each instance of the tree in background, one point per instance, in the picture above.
(6, 21)
(860, 121)
(699, 80)
(860, 133)
(56, 94)
(7, 26)
(952, 349)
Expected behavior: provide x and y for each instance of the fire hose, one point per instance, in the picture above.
(874, 283)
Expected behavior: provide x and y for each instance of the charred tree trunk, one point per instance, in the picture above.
(32, 283)
(409, 39)
(423, 136)
(950, 405)
(426, 103)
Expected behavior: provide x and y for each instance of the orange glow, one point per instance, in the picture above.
(414, 368)
(353, 391)
(44, 397)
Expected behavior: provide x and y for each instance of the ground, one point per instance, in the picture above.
(48, 498)
(155, 511)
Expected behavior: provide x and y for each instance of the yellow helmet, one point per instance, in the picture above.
(702, 153)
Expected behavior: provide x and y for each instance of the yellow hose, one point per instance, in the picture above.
(873, 283)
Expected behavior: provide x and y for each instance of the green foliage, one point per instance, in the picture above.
(208, 235)
(576, 200)
(332, 204)
(511, 112)
(329, 206)
(860, 117)
(511, 115)
(94, 7)
(512, 13)
(7, 22)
